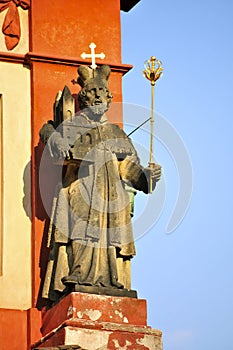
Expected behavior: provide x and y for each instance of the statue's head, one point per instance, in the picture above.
(95, 96)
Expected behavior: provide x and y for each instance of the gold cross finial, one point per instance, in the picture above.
(93, 55)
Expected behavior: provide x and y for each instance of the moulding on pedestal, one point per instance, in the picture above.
(94, 322)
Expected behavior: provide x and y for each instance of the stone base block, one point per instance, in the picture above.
(98, 322)
(106, 291)
(91, 307)
(102, 336)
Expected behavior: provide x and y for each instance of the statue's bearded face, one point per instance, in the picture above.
(95, 98)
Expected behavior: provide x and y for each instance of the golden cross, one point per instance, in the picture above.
(93, 55)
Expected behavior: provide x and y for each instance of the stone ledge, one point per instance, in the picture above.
(31, 57)
(115, 292)
(95, 308)
(95, 336)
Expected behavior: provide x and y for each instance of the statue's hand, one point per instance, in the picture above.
(138, 177)
(58, 146)
(46, 131)
(154, 171)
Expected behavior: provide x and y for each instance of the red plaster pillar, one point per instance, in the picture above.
(59, 32)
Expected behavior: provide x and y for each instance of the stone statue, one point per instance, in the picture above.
(90, 236)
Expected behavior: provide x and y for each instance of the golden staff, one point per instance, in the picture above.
(153, 70)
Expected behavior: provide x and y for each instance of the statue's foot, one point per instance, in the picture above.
(71, 279)
(117, 285)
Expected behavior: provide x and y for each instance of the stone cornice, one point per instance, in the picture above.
(31, 57)
(12, 57)
(127, 5)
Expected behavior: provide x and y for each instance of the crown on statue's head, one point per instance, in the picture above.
(86, 75)
(90, 79)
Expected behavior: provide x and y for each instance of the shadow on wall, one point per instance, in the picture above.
(46, 185)
(40, 203)
(27, 190)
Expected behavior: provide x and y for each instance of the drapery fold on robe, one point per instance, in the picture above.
(11, 24)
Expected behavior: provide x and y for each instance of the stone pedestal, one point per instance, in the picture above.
(98, 322)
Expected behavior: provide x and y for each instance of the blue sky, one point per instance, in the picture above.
(187, 275)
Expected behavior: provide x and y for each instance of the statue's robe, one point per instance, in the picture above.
(90, 233)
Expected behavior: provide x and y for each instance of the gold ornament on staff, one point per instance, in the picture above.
(153, 70)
